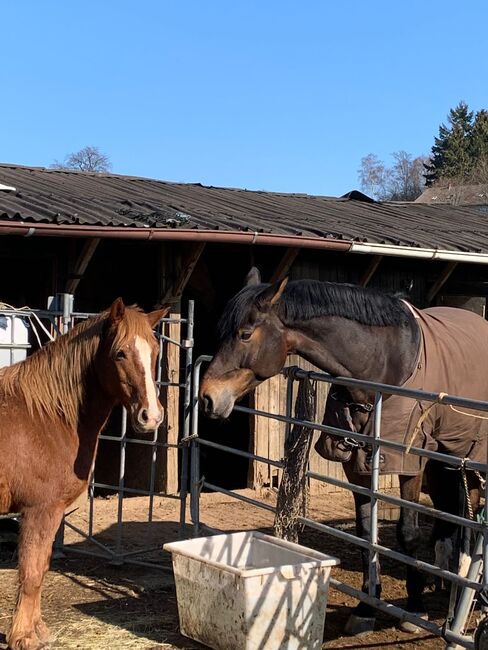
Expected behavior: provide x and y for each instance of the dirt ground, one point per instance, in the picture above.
(88, 603)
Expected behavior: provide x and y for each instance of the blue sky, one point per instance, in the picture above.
(263, 94)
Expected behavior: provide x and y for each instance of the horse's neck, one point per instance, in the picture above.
(344, 347)
(96, 411)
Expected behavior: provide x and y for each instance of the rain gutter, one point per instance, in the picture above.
(170, 234)
(419, 253)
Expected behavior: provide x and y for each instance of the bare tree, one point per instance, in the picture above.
(403, 181)
(372, 175)
(88, 159)
(406, 177)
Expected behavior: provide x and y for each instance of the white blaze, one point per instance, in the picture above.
(144, 351)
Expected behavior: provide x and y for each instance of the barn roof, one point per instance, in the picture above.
(456, 195)
(69, 199)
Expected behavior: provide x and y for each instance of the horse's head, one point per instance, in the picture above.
(128, 365)
(253, 346)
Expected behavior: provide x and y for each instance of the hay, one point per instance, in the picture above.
(293, 492)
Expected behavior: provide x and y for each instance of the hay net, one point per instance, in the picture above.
(292, 499)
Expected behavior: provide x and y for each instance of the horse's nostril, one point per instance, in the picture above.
(144, 415)
(207, 403)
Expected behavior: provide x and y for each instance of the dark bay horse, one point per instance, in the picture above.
(53, 406)
(355, 332)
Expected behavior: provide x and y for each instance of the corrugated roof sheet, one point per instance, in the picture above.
(61, 197)
(456, 195)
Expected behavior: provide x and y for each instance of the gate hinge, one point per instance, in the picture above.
(187, 343)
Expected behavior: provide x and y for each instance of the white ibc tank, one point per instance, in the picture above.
(14, 339)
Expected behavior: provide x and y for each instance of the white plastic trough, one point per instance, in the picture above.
(249, 591)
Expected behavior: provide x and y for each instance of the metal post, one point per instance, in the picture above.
(195, 478)
(289, 404)
(91, 497)
(67, 309)
(375, 473)
(187, 412)
(117, 559)
(154, 455)
(466, 598)
(67, 301)
(485, 537)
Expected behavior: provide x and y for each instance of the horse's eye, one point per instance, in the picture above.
(245, 335)
(120, 354)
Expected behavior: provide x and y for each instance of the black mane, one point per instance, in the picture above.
(303, 300)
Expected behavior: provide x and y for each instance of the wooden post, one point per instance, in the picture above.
(285, 264)
(177, 265)
(371, 270)
(81, 265)
(441, 280)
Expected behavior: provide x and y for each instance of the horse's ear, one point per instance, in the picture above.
(272, 294)
(155, 316)
(117, 311)
(253, 277)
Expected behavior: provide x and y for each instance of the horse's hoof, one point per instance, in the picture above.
(38, 639)
(26, 642)
(359, 625)
(406, 626)
(44, 634)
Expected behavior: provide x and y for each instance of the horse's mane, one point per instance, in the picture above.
(52, 381)
(303, 300)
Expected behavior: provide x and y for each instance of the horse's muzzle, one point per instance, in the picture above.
(217, 408)
(145, 420)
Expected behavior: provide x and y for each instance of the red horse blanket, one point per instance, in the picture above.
(453, 359)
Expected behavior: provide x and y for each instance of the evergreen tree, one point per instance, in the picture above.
(452, 151)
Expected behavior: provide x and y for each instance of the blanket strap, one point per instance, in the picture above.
(440, 400)
(423, 417)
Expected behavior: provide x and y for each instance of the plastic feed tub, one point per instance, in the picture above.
(249, 591)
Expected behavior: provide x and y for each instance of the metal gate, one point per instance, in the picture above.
(477, 580)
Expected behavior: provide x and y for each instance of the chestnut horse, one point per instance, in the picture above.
(53, 406)
(350, 331)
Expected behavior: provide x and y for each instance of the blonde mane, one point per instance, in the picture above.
(52, 381)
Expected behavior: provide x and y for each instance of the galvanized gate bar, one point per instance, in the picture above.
(454, 461)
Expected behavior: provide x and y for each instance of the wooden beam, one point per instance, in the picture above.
(190, 260)
(371, 270)
(285, 264)
(441, 280)
(81, 265)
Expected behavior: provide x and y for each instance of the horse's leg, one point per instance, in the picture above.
(39, 526)
(363, 616)
(408, 535)
(446, 492)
